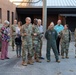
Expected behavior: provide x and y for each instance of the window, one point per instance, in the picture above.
(12, 18)
(0, 13)
(8, 16)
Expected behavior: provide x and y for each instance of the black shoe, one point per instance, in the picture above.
(2, 59)
(7, 57)
(41, 58)
(13, 49)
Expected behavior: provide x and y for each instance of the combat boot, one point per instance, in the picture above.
(24, 63)
(58, 61)
(48, 60)
(62, 57)
(67, 56)
(38, 60)
(35, 56)
(30, 61)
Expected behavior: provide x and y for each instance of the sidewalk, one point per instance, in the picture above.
(65, 67)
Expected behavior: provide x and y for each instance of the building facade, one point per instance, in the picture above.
(56, 9)
(7, 11)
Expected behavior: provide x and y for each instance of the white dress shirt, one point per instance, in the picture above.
(41, 28)
(17, 30)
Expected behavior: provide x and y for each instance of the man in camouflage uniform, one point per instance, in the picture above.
(26, 33)
(13, 33)
(65, 40)
(0, 34)
(36, 45)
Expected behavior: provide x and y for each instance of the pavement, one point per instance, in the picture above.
(13, 65)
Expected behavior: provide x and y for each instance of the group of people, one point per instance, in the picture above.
(55, 35)
(31, 41)
(28, 40)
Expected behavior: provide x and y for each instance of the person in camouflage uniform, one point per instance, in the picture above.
(0, 34)
(75, 36)
(26, 33)
(65, 40)
(13, 33)
(75, 41)
(36, 45)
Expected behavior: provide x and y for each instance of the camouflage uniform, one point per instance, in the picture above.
(36, 44)
(13, 34)
(27, 41)
(65, 39)
(75, 36)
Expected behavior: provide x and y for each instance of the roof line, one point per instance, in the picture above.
(47, 7)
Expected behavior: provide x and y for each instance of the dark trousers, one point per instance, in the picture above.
(58, 42)
(18, 50)
(40, 54)
(54, 48)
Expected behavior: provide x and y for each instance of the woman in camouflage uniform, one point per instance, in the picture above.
(65, 40)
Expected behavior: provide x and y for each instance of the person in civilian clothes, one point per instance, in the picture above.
(5, 40)
(41, 34)
(18, 40)
(59, 27)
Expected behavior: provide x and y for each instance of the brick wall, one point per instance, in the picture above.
(5, 6)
